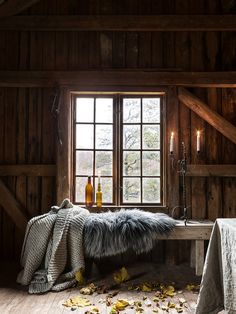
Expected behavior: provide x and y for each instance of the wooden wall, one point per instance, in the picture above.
(27, 127)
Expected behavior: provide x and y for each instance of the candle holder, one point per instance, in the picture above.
(182, 169)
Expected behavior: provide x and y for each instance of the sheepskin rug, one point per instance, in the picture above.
(111, 233)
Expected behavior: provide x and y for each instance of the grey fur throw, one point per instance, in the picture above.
(111, 233)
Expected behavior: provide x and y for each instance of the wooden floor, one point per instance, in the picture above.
(15, 299)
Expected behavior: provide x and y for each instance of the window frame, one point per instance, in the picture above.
(118, 151)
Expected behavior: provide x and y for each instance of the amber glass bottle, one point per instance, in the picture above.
(99, 196)
(89, 193)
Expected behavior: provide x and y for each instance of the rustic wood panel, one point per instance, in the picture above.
(120, 60)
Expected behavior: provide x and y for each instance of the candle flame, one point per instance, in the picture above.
(198, 133)
(172, 134)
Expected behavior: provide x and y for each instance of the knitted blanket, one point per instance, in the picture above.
(52, 251)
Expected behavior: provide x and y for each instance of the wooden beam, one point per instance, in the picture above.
(12, 207)
(211, 170)
(120, 23)
(116, 78)
(12, 7)
(28, 170)
(207, 114)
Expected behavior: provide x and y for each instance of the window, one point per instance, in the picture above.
(120, 138)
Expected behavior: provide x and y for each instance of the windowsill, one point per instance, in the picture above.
(151, 208)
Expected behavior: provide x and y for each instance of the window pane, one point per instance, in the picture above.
(104, 137)
(80, 184)
(84, 163)
(131, 110)
(151, 136)
(103, 162)
(131, 163)
(84, 136)
(84, 109)
(151, 110)
(151, 163)
(131, 190)
(104, 110)
(131, 137)
(151, 190)
(106, 187)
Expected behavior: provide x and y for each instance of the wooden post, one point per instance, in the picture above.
(64, 148)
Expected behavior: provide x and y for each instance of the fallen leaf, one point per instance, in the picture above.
(146, 287)
(90, 289)
(171, 305)
(121, 304)
(93, 310)
(169, 291)
(77, 301)
(80, 277)
(121, 276)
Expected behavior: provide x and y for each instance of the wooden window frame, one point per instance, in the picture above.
(64, 181)
(117, 144)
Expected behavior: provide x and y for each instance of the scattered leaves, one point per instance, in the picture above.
(77, 301)
(90, 289)
(121, 276)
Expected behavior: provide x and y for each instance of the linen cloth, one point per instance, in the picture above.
(218, 285)
(52, 251)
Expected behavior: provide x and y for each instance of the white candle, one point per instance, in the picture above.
(198, 141)
(99, 176)
(172, 142)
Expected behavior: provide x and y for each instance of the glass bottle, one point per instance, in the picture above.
(99, 196)
(89, 193)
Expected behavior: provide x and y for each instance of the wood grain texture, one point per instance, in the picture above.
(151, 23)
(113, 78)
(28, 170)
(209, 115)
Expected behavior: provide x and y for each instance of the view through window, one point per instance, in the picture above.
(119, 137)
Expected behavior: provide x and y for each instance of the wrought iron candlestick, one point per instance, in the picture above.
(182, 163)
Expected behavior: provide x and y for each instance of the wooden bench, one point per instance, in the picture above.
(197, 232)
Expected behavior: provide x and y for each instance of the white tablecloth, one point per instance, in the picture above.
(218, 286)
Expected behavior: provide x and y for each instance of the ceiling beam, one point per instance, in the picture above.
(12, 7)
(116, 78)
(120, 23)
(207, 114)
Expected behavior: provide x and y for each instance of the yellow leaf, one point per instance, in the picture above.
(80, 277)
(121, 304)
(145, 287)
(169, 291)
(121, 276)
(90, 289)
(114, 311)
(77, 301)
(171, 305)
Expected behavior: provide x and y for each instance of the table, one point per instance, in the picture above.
(197, 231)
(218, 286)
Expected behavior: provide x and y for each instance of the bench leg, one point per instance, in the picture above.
(193, 254)
(199, 251)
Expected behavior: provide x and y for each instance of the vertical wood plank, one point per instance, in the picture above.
(106, 49)
(2, 147)
(34, 150)
(118, 50)
(131, 50)
(228, 153)
(213, 148)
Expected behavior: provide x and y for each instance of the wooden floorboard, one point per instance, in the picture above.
(14, 299)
